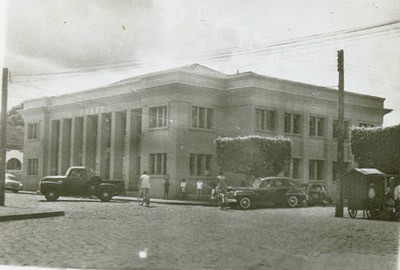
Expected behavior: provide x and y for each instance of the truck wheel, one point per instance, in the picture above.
(51, 195)
(105, 195)
(293, 201)
(245, 203)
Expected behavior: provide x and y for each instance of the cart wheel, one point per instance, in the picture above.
(352, 213)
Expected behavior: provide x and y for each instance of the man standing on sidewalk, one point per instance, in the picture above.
(145, 187)
(199, 189)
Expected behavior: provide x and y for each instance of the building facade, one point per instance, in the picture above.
(166, 122)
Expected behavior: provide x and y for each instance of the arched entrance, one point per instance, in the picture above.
(14, 164)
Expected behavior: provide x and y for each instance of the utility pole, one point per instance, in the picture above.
(3, 134)
(340, 148)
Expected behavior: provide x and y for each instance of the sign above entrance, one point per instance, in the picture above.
(94, 110)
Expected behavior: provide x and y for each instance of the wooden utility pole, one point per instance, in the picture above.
(341, 130)
(3, 134)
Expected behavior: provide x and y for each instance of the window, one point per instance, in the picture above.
(336, 129)
(33, 131)
(366, 125)
(200, 165)
(33, 165)
(294, 170)
(202, 117)
(158, 117)
(335, 169)
(316, 169)
(265, 120)
(317, 126)
(292, 123)
(158, 164)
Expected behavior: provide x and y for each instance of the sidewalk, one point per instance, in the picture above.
(12, 211)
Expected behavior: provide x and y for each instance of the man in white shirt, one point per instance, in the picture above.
(145, 186)
(396, 196)
(199, 189)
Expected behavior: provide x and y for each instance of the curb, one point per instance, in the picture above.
(31, 216)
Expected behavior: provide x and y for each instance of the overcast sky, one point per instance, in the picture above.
(78, 45)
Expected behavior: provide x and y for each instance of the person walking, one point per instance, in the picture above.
(199, 189)
(183, 188)
(145, 187)
(166, 186)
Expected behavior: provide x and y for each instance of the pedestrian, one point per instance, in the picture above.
(145, 187)
(199, 189)
(166, 186)
(183, 188)
(396, 196)
(371, 195)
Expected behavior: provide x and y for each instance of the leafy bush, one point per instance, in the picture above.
(253, 155)
(377, 148)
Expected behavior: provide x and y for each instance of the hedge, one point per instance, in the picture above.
(253, 155)
(377, 148)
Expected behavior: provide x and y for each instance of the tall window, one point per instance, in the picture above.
(294, 170)
(316, 169)
(158, 117)
(200, 165)
(265, 119)
(33, 131)
(317, 126)
(33, 165)
(202, 117)
(292, 123)
(336, 129)
(158, 164)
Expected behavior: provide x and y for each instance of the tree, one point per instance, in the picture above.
(253, 155)
(377, 148)
(15, 117)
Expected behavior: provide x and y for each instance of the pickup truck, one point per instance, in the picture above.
(77, 182)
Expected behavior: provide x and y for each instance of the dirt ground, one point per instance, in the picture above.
(124, 235)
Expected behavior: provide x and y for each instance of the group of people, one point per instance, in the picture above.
(145, 185)
(392, 195)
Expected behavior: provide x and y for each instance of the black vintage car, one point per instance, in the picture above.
(270, 191)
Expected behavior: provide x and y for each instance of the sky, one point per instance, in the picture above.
(55, 47)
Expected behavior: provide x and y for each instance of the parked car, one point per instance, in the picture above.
(12, 184)
(269, 191)
(77, 182)
(317, 195)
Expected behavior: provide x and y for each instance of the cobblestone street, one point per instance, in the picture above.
(115, 235)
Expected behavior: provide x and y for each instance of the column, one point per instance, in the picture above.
(131, 168)
(64, 154)
(53, 149)
(103, 145)
(89, 142)
(76, 141)
(118, 131)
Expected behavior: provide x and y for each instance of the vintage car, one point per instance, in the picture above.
(269, 191)
(77, 182)
(12, 184)
(317, 195)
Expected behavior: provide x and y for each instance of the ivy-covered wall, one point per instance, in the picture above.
(377, 148)
(253, 155)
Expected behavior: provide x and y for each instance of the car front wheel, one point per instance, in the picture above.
(293, 201)
(51, 195)
(245, 203)
(105, 195)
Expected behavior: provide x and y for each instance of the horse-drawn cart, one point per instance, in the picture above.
(365, 189)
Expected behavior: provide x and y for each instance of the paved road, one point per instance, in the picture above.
(123, 235)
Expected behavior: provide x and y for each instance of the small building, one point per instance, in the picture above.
(166, 122)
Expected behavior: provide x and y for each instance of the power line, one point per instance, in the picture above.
(260, 49)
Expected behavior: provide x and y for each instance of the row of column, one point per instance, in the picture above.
(106, 144)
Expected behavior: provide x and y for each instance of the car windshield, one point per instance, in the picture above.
(10, 177)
